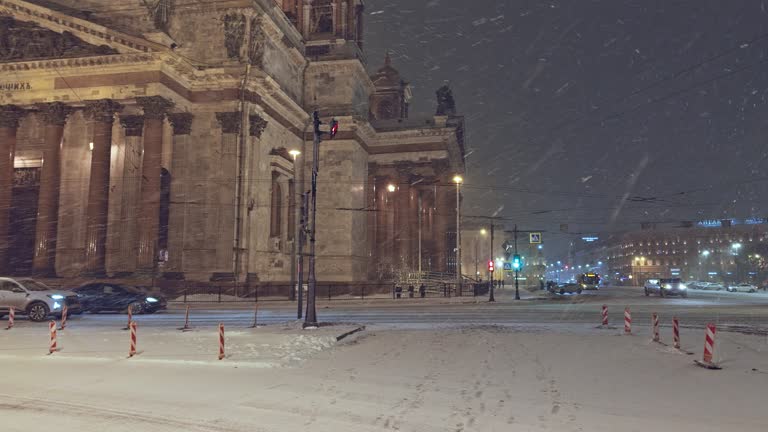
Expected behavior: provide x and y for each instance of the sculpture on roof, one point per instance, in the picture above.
(446, 106)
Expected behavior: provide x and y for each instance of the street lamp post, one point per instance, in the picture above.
(310, 318)
(491, 298)
(457, 179)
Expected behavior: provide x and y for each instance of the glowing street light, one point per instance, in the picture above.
(458, 180)
(483, 231)
(294, 153)
(736, 246)
(705, 253)
(391, 187)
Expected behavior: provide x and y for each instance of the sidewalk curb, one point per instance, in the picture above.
(349, 333)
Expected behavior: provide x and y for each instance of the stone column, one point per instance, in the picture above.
(133, 127)
(230, 123)
(155, 108)
(101, 114)
(54, 116)
(182, 127)
(9, 123)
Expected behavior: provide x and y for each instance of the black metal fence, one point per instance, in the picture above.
(324, 291)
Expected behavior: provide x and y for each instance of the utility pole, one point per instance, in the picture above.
(458, 181)
(490, 297)
(517, 270)
(301, 239)
(310, 319)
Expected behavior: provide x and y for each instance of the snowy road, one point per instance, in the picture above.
(726, 309)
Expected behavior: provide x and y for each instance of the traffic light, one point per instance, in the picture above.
(517, 262)
(334, 129)
(490, 265)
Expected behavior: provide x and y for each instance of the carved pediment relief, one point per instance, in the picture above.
(21, 41)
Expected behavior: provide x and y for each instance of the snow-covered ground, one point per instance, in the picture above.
(477, 378)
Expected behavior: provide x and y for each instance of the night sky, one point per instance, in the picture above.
(596, 114)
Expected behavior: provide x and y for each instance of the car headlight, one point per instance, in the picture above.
(152, 300)
(682, 286)
(668, 286)
(56, 296)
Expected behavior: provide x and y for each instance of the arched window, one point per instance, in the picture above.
(165, 208)
(276, 208)
(386, 110)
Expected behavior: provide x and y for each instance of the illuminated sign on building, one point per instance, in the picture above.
(590, 239)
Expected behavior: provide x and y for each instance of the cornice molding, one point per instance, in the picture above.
(88, 31)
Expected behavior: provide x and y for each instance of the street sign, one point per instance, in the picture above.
(507, 266)
(535, 238)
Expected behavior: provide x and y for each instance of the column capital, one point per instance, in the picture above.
(229, 121)
(102, 110)
(10, 116)
(133, 125)
(181, 122)
(257, 124)
(54, 113)
(155, 107)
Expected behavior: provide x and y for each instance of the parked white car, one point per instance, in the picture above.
(742, 287)
(35, 299)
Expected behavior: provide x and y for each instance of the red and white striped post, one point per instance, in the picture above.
(186, 321)
(63, 318)
(221, 341)
(627, 321)
(605, 315)
(676, 332)
(709, 349)
(132, 349)
(655, 321)
(11, 317)
(130, 319)
(52, 348)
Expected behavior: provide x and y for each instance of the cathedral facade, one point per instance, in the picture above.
(172, 139)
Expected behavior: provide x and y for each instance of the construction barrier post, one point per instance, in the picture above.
(676, 332)
(605, 315)
(132, 349)
(627, 321)
(64, 313)
(655, 323)
(130, 319)
(11, 317)
(221, 341)
(709, 349)
(52, 348)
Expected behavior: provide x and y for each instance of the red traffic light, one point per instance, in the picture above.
(490, 265)
(334, 128)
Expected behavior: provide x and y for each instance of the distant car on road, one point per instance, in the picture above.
(101, 296)
(666, 287)
(570, 288)
(742, 287)
(35, 299)
(715, 286)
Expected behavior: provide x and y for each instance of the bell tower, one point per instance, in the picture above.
(391, 96)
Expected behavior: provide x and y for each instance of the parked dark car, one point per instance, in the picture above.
(102, 296)
(566, 288)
